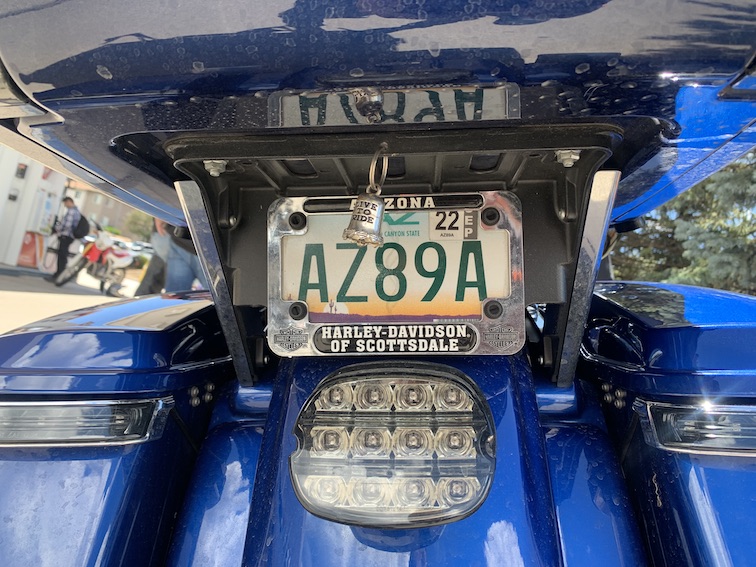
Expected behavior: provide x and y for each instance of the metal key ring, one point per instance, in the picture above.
(374, 187)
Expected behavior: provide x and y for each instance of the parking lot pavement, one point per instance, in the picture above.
(26, 297)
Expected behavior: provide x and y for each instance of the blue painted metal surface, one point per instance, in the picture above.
(213, 526)
(106, 505)
(713, 132)
(110, 72)
(129, 346)
(695, 345)
(691, 341)
(557, 401)
(695, 510)
(596, 519)
(516, 525)
(100, 72)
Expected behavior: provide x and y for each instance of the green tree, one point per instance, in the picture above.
(705, 237)
(651, 253)
(139, 224)
(719, 233)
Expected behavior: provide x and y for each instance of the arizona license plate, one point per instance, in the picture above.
(461, 104)
(447, 280)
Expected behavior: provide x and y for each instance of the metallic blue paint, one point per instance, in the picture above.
(213, 525)
(691, 341)
(517, 522)
(100, 72)
(713, 133)
(103, 73)
(596, 520)
(557, 401)
(695, 510)
(696, 345)
(91, 506)
(106, 505)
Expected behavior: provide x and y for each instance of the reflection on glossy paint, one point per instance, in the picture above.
(163, 317)
(502, 547)
(705, 513)
(49, 500)
(231, 521)
(337, 538)
(74, 350)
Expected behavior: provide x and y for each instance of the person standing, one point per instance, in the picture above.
(153, 280)
(183, 266)
(65, 228)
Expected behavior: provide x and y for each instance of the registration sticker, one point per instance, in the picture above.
(447, 280)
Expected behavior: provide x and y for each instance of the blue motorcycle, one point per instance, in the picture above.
(406, 356)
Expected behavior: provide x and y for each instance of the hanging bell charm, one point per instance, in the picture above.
(367, 215)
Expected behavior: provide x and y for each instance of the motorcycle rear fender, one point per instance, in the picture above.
(558, 502)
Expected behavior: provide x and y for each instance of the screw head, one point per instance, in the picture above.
(490, 216)
(298, 311)
(297, 221)
(493, 310)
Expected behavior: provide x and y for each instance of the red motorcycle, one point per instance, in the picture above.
(102, 259)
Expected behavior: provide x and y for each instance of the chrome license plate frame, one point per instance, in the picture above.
(479, 309)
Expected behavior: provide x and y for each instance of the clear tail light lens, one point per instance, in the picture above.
(704, 428)
(95, 422)
(394, 447)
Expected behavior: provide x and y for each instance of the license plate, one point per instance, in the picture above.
(447, 280)
(399, 106)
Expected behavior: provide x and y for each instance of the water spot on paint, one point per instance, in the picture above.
(356, 72)
(583, 68)
(198, 66)
(104, 72)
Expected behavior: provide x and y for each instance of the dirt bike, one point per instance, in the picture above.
(404, 358)
(101, 259)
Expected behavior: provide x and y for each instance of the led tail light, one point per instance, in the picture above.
(704, 428)
(394, 447)
(76, 423)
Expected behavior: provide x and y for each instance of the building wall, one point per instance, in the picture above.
(30, 197)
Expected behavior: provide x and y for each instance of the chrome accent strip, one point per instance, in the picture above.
(162, 407)
(205, 241)
(643, 409)
(603, 191)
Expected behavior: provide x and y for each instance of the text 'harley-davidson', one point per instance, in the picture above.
(405, 356)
